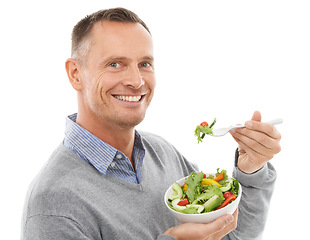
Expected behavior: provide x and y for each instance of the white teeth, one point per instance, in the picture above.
(128, 98)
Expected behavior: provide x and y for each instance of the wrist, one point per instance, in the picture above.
(249, 169)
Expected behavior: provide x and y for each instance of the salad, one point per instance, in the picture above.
(202, 194)
(203, 129)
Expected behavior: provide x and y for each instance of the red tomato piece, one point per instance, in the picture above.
(227, 194)
(183, 202)
(227, 201)
(204, 124)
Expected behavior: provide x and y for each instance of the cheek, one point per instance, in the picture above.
(102, 83)
(151, 84)
(151, 81)
(154, 82)
(92, 92)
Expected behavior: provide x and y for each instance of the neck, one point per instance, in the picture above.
(120, 138)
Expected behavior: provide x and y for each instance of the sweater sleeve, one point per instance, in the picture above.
(49, 227)
(165, 237)
(257, 189)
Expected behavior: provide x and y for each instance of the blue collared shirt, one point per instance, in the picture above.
(105, 158)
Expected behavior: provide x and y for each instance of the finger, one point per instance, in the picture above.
(258, 141)
(250, 160)
(253, 153)
(257, 116)
(244, 148)
(256, 149)
(265, 128)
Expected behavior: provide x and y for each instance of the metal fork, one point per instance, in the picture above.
(222, 131)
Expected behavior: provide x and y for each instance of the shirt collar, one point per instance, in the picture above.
(90, 148)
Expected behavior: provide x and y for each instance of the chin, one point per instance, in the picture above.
(128, 122)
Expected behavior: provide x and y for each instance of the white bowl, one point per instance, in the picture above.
(203, 217)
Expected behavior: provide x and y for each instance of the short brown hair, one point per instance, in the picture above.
(81, 41)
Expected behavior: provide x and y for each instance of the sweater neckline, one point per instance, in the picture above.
(140, 186)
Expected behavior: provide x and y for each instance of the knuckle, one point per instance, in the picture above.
(260, 138)
(252, 144)
(279, 136)
(270, 130)
(278, 148)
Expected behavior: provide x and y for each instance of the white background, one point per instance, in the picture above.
(222, 59)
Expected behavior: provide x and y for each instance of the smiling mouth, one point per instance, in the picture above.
(128, 98)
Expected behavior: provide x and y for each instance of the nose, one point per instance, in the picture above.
(134, 78)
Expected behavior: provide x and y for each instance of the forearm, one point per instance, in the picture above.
(253, 208)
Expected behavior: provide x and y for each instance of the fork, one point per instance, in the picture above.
(222, 131)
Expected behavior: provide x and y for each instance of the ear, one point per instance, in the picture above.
(73, 69)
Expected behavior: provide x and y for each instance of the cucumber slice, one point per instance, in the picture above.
(176, 206)
(197, 207)
(188, 209)
(212, 203)
(202, 198)
(178, 192)
(226, 187)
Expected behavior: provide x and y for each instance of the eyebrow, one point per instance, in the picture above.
(150, 58)
(121, 58)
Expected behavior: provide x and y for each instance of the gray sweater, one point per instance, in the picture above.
(70, 199)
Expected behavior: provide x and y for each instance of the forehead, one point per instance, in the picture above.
(121, 37)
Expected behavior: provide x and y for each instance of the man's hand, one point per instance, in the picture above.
(258, 143)
(209, 231)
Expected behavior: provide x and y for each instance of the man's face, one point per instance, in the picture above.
(118, 77)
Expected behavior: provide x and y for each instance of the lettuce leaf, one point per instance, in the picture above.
(200, 131)
(234, 187)
(194, 185)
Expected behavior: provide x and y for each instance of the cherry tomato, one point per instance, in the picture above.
(227, 194)
(204, 124)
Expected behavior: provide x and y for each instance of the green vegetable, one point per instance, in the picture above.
(226, 187)
(212, 124)
(210, 176)
(176, 206)
(202, 198)
(212, 203)
(201, 131)
(189, 210)
(234, 187)
(208, 193)
(194, 185)
(178, 192)
(193, 209)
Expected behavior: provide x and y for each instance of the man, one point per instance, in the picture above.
(106, 180)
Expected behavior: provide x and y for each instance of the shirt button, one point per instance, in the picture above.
(119, 156)
(112, 164)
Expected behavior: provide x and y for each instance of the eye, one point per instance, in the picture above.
(145, 64)
(114, 65)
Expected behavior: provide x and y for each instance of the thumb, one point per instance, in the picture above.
(257, 116)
